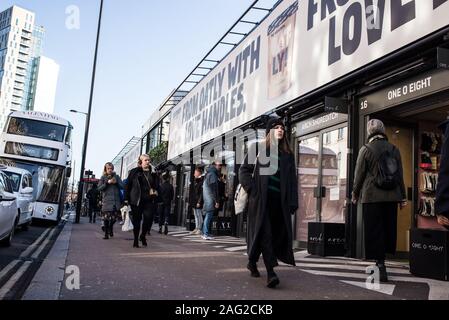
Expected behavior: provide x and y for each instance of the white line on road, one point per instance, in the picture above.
(43, 245)
(35, 243)
(347, 267)
(233, 249)
(11, 282)
(8, 268)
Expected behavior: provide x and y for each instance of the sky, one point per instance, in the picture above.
(147, 48)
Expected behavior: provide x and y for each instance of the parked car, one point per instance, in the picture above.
(22, 185)
(9, 213)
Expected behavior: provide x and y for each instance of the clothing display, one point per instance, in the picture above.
(429, 165)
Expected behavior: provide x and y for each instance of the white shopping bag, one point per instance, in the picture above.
(128, 225)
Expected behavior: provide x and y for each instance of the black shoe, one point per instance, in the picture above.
(106, 237)
(102, 228)
(136, 244)
(166, 230)
(160, 230)
(272, 280)
(111, 234)
(144, 241)
(253, 268)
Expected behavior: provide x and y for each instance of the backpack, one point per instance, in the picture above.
(386, 169)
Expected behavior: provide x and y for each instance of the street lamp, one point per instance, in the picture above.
(86, 129)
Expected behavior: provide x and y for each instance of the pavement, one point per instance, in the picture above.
(184, 267)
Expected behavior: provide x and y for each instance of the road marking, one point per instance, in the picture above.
(43, 244)
(35, 243)
(233, 249)
(347, 267)
(383, 288)
(8, 268)
(13, 280)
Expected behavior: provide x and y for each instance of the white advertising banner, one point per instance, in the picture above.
(300, 47)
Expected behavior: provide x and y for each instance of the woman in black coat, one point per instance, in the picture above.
(273, 199)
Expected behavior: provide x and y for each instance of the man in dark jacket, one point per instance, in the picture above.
(167, 195)
(141, 193)
(380, 205)
(211, 197)
(93, 196)
(442, 195)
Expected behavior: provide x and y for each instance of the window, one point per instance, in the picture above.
(14, 178)
(5, 184)
(341, 133)
(36, 129)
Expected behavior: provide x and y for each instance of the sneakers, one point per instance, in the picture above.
(205, 237)
(194, 232)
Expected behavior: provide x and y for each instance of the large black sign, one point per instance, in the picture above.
(417, 87)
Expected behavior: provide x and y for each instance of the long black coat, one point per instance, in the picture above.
(257, 188)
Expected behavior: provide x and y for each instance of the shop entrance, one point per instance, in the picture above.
(413, 128)
(321, 166)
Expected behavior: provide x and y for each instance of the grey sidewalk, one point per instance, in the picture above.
(175, 269)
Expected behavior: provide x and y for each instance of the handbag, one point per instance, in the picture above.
(241, 196)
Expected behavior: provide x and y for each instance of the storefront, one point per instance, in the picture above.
(411, 110)
(302, 53)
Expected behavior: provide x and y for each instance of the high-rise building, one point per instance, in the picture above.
(20, 52)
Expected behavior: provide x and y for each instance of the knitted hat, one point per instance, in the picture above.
(273, 122)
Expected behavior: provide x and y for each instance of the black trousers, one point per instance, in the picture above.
(146, 211)
(164, 214)
(92, 214)
(380, 223)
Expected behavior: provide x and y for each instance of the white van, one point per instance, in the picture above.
(22, 184)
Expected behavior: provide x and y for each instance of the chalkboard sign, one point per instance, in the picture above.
(326, 239)
(429, 253)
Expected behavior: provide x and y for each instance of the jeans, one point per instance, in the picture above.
(207, 221)
(198, 213)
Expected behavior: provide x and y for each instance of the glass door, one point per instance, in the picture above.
(333, 175)
(308, 182)
(322, 172)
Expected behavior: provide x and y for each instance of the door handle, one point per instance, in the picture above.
(319, 192)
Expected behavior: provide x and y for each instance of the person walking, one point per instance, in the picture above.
(167, 194)
(196, 200)
(211, 197)
(273, 199)
(93, 197)
(442, 193)
(379, 186)
(110, 184)
(141, 193)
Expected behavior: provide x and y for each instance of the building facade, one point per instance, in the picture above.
(20, 51)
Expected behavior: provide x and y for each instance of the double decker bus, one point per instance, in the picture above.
(40, 143)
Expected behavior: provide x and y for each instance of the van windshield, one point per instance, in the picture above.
(15, 180)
